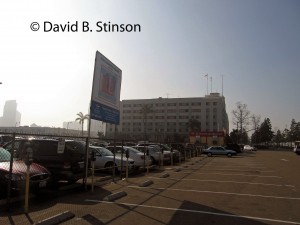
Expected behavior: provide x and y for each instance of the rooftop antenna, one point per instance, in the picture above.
(210, 84)
(222, 75)
(168, 95)
(206, 76)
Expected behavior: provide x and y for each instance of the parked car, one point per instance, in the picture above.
(165, 148)
(249, 148)
(38, 175)
(105, 160)
(64, 159)
(297, 149)
(235, 147)
(138, 157)
(218, 150)
(5, 139)
(154, 153)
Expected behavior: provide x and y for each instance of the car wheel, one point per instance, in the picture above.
(152, 161)
(229, 154)
(109, 167)
(209, 154)
(72, 181)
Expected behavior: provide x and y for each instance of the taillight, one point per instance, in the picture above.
(67, 165)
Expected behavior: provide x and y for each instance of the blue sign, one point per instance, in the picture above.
(104, 113)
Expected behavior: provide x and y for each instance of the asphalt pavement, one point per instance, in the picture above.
(253, 188)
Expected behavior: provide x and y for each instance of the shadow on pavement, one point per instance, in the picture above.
(201, 214)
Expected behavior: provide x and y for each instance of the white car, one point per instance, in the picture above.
(134, 154)
(248, 148)
(105, 160)
(154, 153)
(297, 149)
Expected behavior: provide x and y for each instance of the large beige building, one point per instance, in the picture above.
(168, 118)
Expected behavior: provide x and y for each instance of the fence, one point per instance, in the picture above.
(31, 162)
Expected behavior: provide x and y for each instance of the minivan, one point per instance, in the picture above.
(65, 160)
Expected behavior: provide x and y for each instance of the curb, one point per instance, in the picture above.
(57, 219)
(115, 196)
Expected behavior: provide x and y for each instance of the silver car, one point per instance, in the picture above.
(218, 150)
(105, 160)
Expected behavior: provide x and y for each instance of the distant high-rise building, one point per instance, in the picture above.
(11, 117)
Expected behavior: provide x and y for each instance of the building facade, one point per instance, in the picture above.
(168, 118)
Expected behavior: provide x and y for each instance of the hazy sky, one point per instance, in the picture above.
(254, 44)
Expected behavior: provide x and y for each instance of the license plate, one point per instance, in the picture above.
(43, 184)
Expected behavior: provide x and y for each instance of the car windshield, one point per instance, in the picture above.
(101, 150)
(167, 147)
(133, 149)
(156, 147)
(4, 155)
(104, 151)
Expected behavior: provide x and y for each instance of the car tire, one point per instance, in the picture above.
(229, 155)
(109, 167)
(209, 154)
(152, 161)
(72, 181)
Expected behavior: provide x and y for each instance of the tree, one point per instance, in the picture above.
(266, 133)
(294, 133)
(241, 116)
(278, 138)
(234, 136)
(145, 110)
(194, 125)
(81, 118)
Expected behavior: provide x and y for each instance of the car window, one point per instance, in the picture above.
(106, 152)
(132, 150)
(75, 146)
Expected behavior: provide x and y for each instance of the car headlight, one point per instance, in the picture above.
(15, 177)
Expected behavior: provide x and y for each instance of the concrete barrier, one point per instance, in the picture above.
(164, 175)
(146, 183)
(115, 196)
(57, 219)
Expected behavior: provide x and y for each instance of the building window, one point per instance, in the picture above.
(171, 110)
(171, 104)
(171, 117)
(184, 104)
(196, 110)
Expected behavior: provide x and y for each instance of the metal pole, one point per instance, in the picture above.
(27, 189)
(127, 169)
(10, 170)
(93, 173)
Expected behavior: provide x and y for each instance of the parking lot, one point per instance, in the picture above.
(252, 188)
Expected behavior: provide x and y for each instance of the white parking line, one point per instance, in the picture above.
(239, 170)
(194, 211)
(217, 192)
(231, 174)
(225, 181)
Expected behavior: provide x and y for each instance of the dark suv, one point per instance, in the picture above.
(5, 139)
(65, 160)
